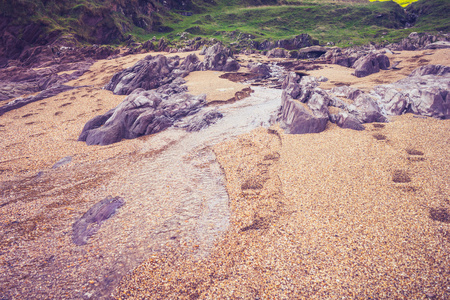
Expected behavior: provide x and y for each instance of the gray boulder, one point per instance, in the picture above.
(311, 52)
(303, 106)
(141, 113)
(149, 73)
(218, 58)
(424, 92)
(262, 70)
(346, 120)
(277, 53)
(371, 63)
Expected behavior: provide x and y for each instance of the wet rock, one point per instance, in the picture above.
(369, 64)
(201, 120)
(20, 102)
(90, 223)
(141, 113)
(63, 161)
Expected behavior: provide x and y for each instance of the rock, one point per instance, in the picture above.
(425, 92)
(201, 120)
(438, 70)
(148, 73)
(416, 41)
(438, 45)
(303, 106)
(262, 70)
(62, 162)
(277, 53)
(367, 110)
(311, 52)
(369, 64)
(175, 87)
(347, 92)
(92, 220)
(20, 102)
(297, 118)
(141, 113)
(218, 58)
(346, 120)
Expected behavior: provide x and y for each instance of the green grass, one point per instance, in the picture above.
(343, 22)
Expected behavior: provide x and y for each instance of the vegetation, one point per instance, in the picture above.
(343, 22)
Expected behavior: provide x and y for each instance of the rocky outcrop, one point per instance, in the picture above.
(303, 106)
(141, 113)
(20, 102)
(155, 71)
(218, 58)
(311, 52)
(148, 73)
(417, 41)
(277, 53)
(425, 92)
(371, 63)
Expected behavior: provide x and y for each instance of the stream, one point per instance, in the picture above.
(177, 191)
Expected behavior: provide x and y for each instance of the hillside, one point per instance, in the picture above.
(25, 23)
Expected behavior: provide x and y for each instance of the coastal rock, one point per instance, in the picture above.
(149, 73)
(141, 113)
(311, 52)
(200, 120)
(277, 53)
(416, 41)
(303, 105)
(218, 58)
(262, 70)
(425, 92)
(371, 63)
(346, 120)
(92, 220)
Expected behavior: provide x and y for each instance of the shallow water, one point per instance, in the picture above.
(176, 192)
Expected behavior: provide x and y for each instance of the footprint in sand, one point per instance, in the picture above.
(400, 176)
(415, 155)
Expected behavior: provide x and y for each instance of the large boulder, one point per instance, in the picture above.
(218, 58)
(149, 73)
(371, 63)
(277, 53)
(141, 113)
(311, 52)
(304, 106)
(424, 92)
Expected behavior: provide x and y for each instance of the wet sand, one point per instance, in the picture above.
(336, 214)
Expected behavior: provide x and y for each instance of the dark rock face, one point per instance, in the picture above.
(371, 63)
(149, 73)
(141, 113)
(92, 220)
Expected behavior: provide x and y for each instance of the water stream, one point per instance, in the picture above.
(178, 191)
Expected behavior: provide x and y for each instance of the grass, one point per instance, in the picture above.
(342, 22)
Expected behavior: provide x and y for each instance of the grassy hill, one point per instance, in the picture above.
(342, 22)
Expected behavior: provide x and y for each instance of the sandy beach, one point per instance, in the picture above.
(339, 214)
